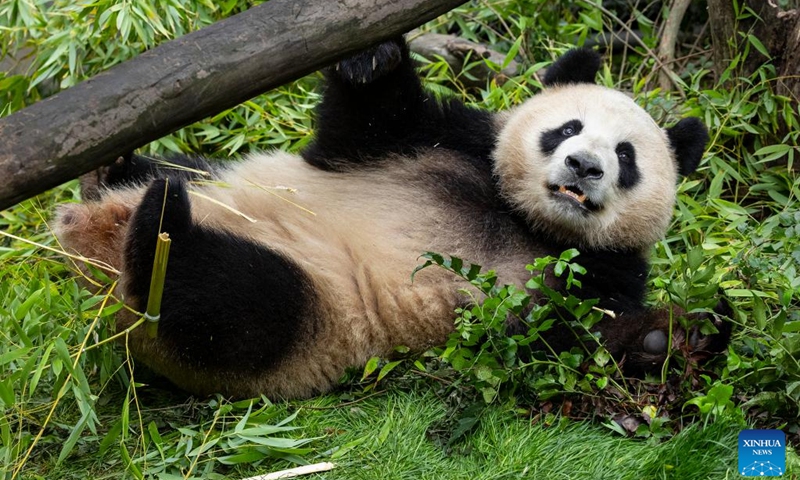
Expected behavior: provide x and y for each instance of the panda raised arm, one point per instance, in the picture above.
(374, 105)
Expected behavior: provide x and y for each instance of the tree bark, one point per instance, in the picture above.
(789, 72)
(187, 79)
(778, 30)
(722, 21)
(666, 47)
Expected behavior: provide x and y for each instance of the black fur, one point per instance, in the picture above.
(551, 139)
(360, 123)
(131, 169)
(576, 66)
(629, 175)
(229, 304)
(688, 140)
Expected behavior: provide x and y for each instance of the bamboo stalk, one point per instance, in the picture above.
(295, 472)
(153, 313)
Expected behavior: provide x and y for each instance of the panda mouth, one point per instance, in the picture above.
(575, 195)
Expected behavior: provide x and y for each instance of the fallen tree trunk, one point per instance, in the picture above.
(187, 79)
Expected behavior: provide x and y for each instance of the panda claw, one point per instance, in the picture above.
(368, 66)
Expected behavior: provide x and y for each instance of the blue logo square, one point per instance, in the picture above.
(762, 453)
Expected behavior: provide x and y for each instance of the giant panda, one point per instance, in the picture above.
(287, 269)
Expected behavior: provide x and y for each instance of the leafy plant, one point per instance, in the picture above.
(498, 363)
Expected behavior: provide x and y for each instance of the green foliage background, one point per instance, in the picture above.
(72, 403)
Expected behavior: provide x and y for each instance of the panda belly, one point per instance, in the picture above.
(355, 236)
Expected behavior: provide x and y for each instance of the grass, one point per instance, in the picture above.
(507, 445)
(388, 437)
(73, 406)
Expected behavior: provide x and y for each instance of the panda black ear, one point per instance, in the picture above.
(688, 140)
(576, 66)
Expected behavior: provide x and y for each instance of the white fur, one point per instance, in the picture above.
(634, 218)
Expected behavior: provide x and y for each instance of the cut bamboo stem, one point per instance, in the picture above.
(153, 313)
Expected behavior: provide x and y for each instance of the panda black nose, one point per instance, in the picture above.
(584, 166)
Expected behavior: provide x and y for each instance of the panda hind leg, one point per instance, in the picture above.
(132, 169)
(643, 339)
(231, 308)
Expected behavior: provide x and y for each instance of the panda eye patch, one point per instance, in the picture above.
(626, 152)
(628, 170)
(551, 139)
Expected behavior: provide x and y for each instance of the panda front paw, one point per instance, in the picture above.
(369, 65)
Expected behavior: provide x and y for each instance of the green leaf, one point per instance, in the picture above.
(284, 444)
(111, 437)
(346, 448)
(242, 423)
(245, 456)
(474, 270)
(559, 268)
(759, 312)
(468, 420)
(7, 393)
(21, 311)
(420, 267)
(129, 465)
(512, 52)
(695, 257)
(370, 367)
(155, 437)
(14, 354)
(456, 264)
(778, 323)
(489, 394)
(793, 391)
(388, 368)
(568, 255)
(754, 41)
(74, 435)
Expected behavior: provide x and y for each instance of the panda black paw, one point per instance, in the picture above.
(132, 169)
(108, 176)
(648, 351)
(369, 65)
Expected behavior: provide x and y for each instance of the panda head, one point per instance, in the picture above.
(588, 166)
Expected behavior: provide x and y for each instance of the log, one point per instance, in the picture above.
(188, 79)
